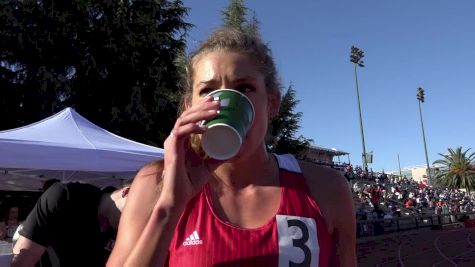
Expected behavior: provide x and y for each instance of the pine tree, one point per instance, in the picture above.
(235, 15)
(253, 24)
(113, 61)
(285, 128)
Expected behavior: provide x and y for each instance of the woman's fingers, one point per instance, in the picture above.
(208, 105)
(188, 122)
(196, 117)
(184, 131)
(204, 103)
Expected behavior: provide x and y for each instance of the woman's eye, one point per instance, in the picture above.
(205, 91)
(245, 88)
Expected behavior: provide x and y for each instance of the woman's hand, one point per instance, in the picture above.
(184, 172)
(148, 226)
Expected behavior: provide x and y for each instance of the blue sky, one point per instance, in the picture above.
(407, 44)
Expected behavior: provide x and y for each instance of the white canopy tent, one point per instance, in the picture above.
(68, 147)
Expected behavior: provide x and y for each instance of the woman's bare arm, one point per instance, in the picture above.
(332, 193)
(152, 247)
(345, 225)
(141, 199)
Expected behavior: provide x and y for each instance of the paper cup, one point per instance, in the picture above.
(227, 131)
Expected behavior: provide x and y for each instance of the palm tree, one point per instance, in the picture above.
(457, 170)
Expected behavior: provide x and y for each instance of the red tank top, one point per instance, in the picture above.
(295, 236)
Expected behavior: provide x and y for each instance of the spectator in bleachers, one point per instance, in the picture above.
(400, 195)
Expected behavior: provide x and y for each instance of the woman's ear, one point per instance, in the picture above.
(273, 104)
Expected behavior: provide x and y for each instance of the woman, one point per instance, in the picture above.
(256, 209)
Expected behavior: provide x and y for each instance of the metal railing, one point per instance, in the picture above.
(410, 222)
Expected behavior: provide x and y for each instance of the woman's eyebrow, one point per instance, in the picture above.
(245, 79)
(237, 80)
(211, 81)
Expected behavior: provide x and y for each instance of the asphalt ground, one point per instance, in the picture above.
(438, 248)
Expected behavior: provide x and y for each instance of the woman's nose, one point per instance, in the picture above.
(226, 85)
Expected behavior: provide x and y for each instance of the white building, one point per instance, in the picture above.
(417, 173)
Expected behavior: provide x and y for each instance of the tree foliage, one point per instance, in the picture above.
(236, 15)
(113, 61)
(285, 128)
(457, 169)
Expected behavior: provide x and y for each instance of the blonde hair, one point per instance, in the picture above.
(235, 40)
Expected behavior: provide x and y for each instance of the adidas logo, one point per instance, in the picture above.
(194, 239)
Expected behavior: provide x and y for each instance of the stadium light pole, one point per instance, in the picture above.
(355, 57)
(399, 164)
(420, 98)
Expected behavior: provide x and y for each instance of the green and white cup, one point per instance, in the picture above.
(227, 131)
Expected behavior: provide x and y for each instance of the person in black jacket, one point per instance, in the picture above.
(75, 222)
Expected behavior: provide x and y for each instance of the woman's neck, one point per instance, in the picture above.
(260, 169)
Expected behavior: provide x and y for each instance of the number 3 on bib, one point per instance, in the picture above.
(298, 241)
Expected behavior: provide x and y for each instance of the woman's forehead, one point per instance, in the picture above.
(220, 64)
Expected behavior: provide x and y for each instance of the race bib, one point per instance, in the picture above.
(298, 241)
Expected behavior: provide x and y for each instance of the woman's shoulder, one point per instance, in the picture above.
(151, 169)
(328, 187)
(330, 190)
(322, 179)
(147, 178)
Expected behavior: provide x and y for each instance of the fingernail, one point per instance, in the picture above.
(218, 111)
(216, 98)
